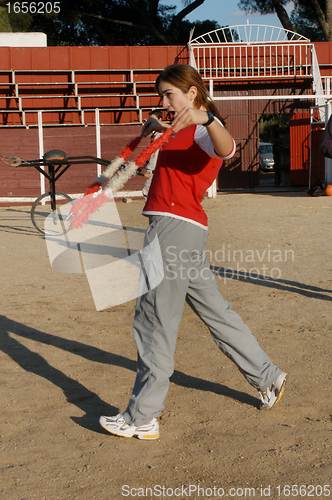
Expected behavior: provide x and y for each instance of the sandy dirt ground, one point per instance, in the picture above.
(63, 364)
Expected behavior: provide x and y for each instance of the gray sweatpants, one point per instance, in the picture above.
(187, 276)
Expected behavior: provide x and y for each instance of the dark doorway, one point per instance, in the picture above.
(274, 130)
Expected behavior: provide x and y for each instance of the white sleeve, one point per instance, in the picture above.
(203, 140)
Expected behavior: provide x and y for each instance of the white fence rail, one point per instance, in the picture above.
(243, 61)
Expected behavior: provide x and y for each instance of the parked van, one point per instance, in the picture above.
(266, 159)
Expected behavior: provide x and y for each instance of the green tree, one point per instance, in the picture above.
(115, 22)
(10, 21)
(310, 18)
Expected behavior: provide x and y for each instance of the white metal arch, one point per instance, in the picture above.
(249, 33)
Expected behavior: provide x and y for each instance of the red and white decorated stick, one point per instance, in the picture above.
(123, 176)
(84, 207)
(107, 174)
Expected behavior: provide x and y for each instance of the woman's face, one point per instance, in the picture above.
(173, 97)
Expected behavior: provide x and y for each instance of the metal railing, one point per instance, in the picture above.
(119, 92)
(251, 51)
(235, 61)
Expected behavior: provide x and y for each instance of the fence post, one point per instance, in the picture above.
(98, 142)
(212, 191)
(41, 149)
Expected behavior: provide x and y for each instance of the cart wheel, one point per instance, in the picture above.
(39, 212)
(55, 154)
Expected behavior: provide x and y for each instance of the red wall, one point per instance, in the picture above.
(23, 142)
(44, 58)
(75, 141)
(300, 151)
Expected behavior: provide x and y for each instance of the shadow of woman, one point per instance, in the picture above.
(75, 392)
(33, 362)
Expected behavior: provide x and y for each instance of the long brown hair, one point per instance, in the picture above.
(183, 77)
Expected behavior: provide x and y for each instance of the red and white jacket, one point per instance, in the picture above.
(187, 166)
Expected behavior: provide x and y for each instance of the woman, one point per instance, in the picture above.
(187, 165)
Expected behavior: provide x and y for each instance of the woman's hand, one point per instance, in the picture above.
(153, 125)
(221, 139)
(189, 116)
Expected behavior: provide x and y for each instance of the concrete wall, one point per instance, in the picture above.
(23, 40)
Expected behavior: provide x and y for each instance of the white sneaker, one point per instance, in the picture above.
(272, 394)
(118, 426)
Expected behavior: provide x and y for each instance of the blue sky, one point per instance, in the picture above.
(225, 12)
